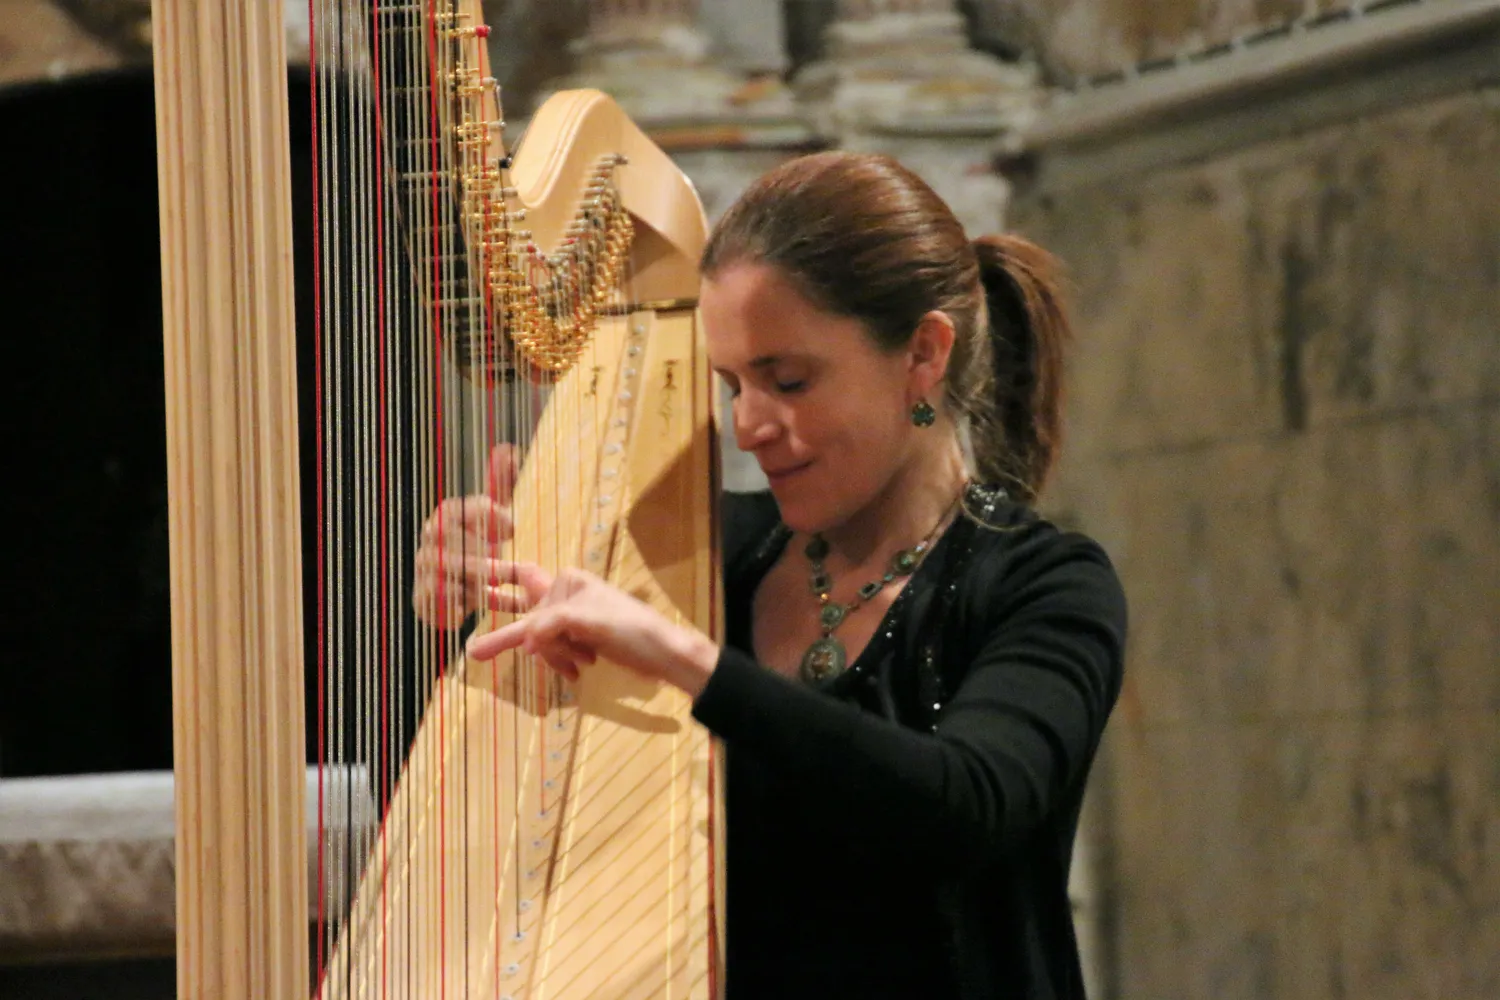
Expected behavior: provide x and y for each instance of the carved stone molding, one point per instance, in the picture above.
(905, 66)
(869, 10)
(651, 57)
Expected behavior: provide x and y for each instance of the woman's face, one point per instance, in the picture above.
(822, 409)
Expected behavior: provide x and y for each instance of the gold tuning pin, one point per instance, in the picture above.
(480, 177)
(479, 86)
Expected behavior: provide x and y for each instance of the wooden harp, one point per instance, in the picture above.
(529, 839)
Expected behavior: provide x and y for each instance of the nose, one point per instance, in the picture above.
(755, 420)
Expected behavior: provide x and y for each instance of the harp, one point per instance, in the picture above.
(530, 839)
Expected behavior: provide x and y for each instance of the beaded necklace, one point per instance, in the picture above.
(827, 657)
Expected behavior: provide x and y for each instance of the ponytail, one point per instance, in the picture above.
(862, 236)
(1017, 442)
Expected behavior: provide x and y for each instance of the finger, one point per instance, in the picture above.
(481, 582)
(472, 519)
(445, 613)
(449, 577)
(557, 629)
(536, 581)
(559, 662)
(488, 572)
(561, 655)
(578, 653)
(432, 560)
(443, 519)
(492, 644)
(572, 580)
(507, 601)
(488, 520)
(445, 587)
(502, 470)
(455, 565)
(477, 515)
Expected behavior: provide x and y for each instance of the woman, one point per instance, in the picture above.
(918, 667)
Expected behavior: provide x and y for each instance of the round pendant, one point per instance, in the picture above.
(824, 659)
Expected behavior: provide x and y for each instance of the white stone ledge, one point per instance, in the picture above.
(1288, 81)
(87, 862)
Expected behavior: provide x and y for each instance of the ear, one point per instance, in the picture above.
(928, 353)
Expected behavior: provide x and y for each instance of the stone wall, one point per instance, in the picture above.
(1286, 429)
(1082, 38)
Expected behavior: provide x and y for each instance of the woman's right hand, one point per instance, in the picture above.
(458, 561)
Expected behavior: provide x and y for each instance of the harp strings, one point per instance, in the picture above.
(594, 783)
(378, 426)
(419, 379)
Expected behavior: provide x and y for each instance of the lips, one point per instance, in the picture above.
(783, 474)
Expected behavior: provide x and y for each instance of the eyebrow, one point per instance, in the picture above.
(764, 361)
(768, 361)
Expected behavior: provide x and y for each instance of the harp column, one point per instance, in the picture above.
(900, 77)
(229, 344)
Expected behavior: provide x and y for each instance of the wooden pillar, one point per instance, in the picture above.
(232, 499)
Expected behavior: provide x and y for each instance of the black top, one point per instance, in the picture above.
(905, 829)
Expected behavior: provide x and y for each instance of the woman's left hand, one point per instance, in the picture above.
(576, 618)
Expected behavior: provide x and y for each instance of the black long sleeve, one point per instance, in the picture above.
(905, 829)
(1014, 739)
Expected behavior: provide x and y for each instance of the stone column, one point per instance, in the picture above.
(906, 66)
(865, 10)
(899, 77)
(633, 21)
(653, 58)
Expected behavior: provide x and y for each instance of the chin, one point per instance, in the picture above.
(810, 501)
(806, 514)
(800, 524)
(795, 512)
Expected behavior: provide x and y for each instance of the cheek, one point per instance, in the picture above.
(851, 425)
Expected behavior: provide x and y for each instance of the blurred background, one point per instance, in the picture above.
(1281, 219)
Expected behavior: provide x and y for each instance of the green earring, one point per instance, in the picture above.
(923, 415)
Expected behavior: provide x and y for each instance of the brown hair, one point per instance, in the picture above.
(862, 236)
